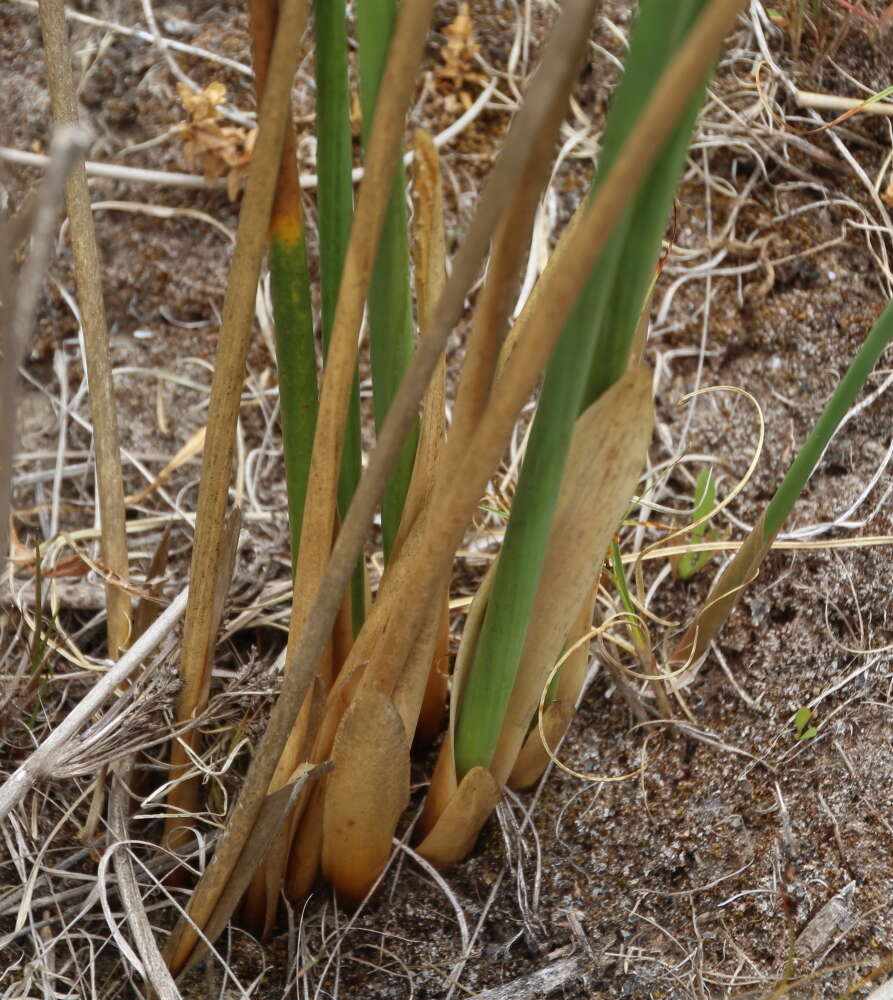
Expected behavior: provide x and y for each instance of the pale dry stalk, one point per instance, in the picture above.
(88, 277)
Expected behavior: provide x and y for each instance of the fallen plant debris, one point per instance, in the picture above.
(458, 55)
(217, 150)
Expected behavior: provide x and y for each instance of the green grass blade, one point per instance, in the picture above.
(705, 500)
(745, 565)
(591, 355)
(290, 294)
(835, 410)
(621, 286)
(390, 303)
(295, 358)
(334, 152)
(640, 640)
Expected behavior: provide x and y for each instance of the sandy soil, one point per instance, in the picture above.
(693, 880)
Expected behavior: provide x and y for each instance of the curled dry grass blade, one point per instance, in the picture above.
(226, 385)
(745, 565)
(534, 755)
(88, 277)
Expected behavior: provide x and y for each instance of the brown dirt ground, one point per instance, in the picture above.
(688, 882)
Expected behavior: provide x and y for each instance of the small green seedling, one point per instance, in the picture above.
(504, 514)
(802, 728)
(639, 636)
(705, 499)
